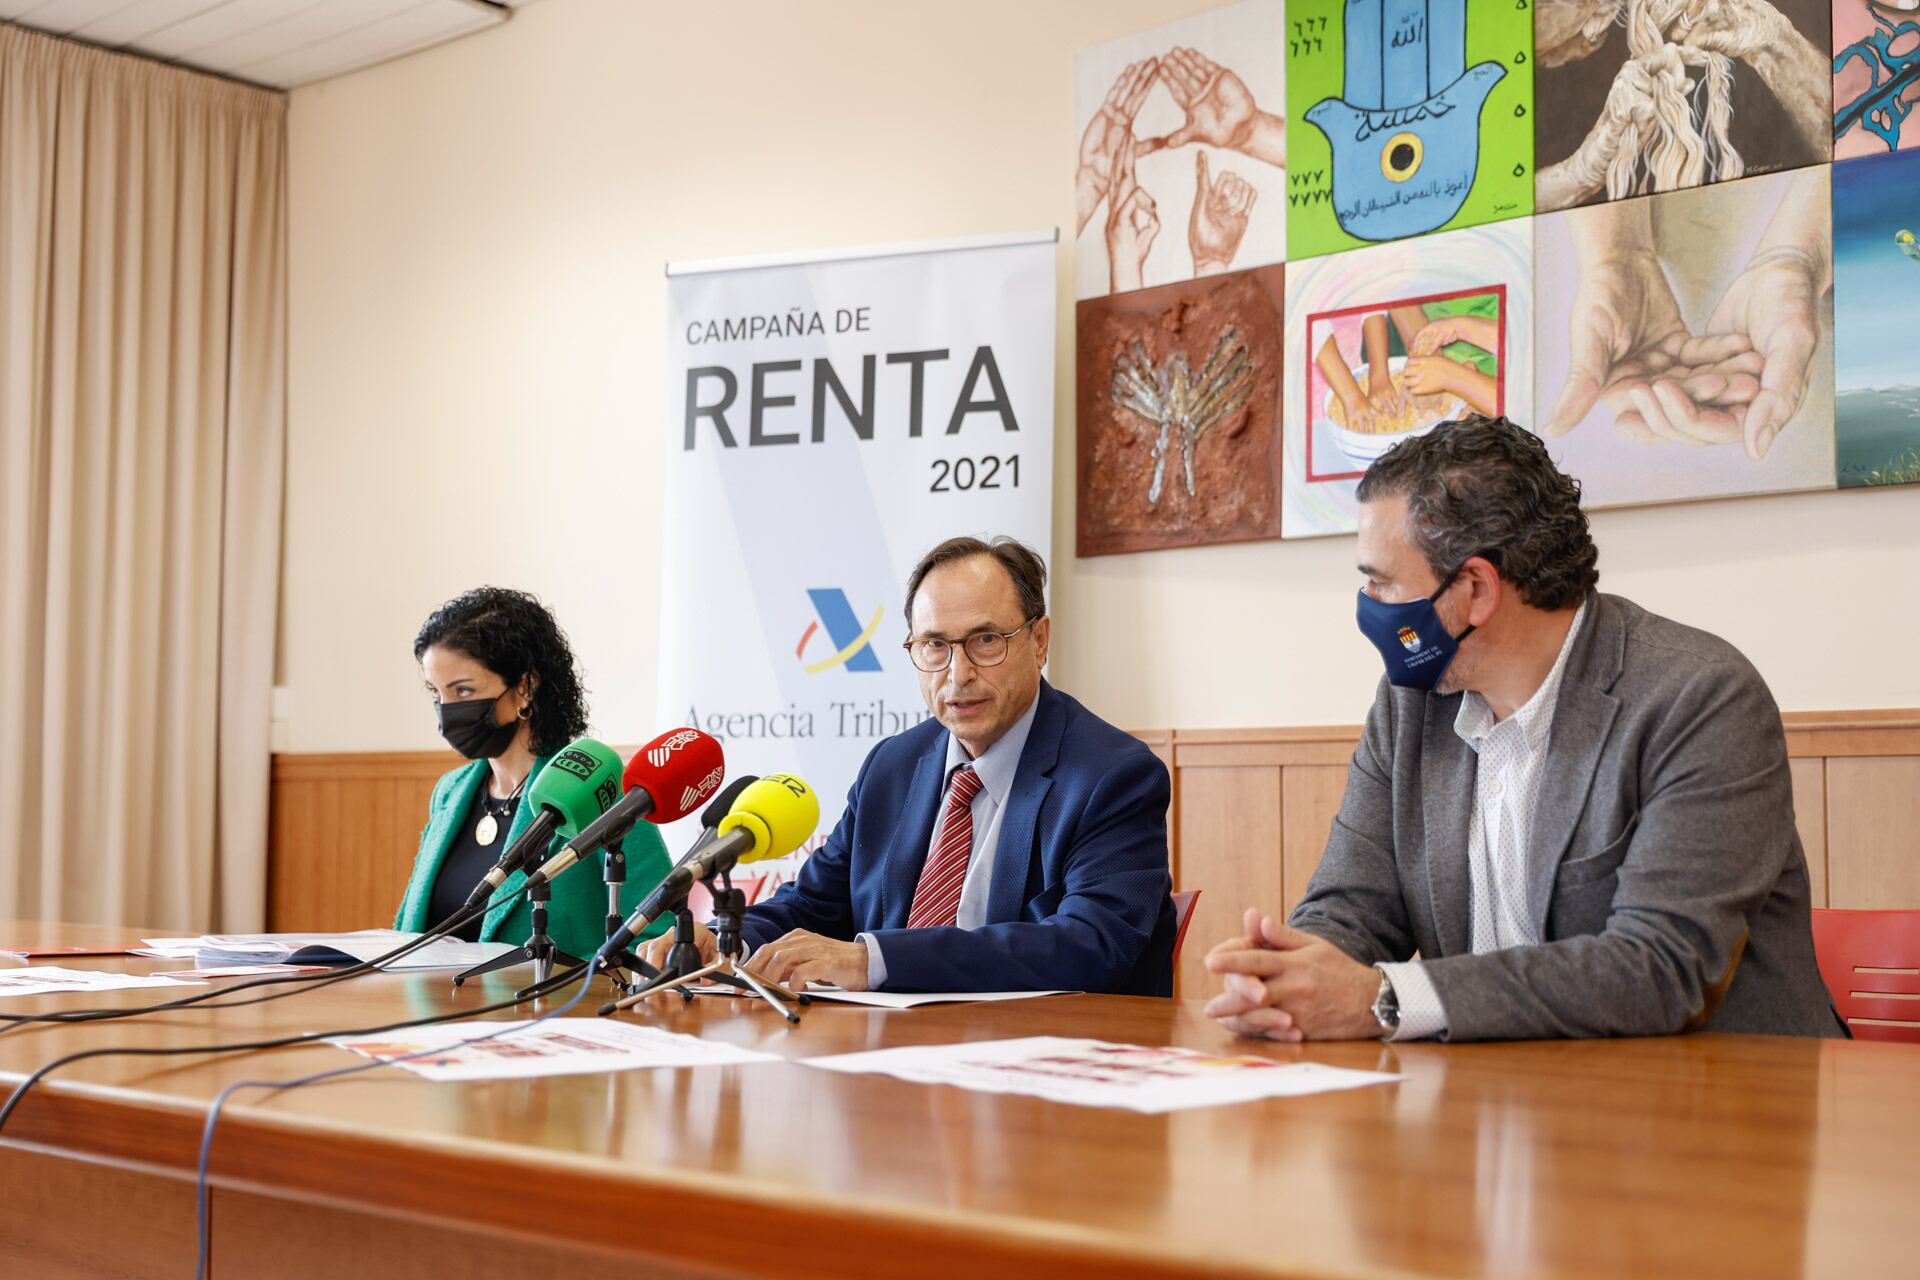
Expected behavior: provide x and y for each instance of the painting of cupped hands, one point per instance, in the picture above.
(1686, 341)
(1639, 97)
(1180, 170)
(1178, 412)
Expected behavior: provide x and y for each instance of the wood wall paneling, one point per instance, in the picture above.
(1810, 815)
(1230, 826)
(1248, 821)
(1312, 795)
(1873, 832)
(345, 829)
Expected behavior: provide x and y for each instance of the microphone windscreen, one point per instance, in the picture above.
(582, 781)
(680, 769)
(721, 805)
(779, 812)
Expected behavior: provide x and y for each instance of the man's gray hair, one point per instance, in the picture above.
(1483, 486)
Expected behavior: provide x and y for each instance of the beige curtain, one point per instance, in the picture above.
(142, 423)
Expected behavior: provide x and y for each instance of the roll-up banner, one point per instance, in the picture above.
(833, 417)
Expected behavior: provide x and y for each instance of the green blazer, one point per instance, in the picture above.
(577, 913)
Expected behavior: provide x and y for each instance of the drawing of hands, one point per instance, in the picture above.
(1218, 222)
(1630, 349)
(1741, 381)
(1760, 35)
(1220, 109)
(1132, 223)
(1774, 307)
(1111, 130)
(1333, 367)
(1384, 399)
(1428, 375)
(1482, 331)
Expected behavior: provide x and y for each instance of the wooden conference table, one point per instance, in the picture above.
(1697, 1156)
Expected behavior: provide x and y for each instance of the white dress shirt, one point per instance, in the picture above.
(996, 767)
(1506, 790)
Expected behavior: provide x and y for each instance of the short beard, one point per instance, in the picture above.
(1458, 676)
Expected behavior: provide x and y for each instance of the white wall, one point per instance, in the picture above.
(477, 333)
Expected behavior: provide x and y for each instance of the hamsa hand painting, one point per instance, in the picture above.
(1410, 116)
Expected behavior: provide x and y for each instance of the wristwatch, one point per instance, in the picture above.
(1386, 1008)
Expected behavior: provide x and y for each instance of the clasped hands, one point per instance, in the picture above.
(1283, 984)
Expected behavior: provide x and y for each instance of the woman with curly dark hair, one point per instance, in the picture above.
(507, 695)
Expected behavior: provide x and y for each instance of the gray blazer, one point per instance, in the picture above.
(1667, 879)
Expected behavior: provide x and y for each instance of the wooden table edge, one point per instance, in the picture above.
(633, 1211)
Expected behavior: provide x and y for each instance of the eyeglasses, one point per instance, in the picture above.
(984, 648)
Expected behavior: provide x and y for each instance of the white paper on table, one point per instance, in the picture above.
(49, 979)
(169, 948)
(555, 1047)
(1096, 1073)
(914, 999)
(359, 946)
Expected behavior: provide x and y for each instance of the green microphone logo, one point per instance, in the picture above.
(580, 764)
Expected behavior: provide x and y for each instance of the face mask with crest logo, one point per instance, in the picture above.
(1413, 643)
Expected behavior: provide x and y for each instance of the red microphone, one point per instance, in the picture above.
(666, 780)
(680, 770)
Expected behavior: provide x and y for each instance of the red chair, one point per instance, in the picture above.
(1870, 961)
(1182, 917)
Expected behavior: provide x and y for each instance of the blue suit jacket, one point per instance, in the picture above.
(1080, 897)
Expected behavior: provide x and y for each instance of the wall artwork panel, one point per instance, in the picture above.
(1180, 169)
(1686, 341)
(1644, 96)
(1178, 414)
(1876, 78)
(1405, 117)
(1876, 311)
(1388, 341)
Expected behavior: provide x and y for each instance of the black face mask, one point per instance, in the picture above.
(470, 729)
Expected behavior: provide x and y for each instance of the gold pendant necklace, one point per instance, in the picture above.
(488, 828)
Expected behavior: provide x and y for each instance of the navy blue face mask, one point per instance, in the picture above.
(1416, 648)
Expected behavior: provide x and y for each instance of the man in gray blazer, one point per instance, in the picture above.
(1577, 814)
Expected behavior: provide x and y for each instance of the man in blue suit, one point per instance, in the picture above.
(1014, 842)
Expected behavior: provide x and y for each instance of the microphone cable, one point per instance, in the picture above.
(305, 981)
(202, 1177)
(279, 1042)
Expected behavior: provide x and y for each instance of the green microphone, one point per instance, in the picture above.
(580, 783)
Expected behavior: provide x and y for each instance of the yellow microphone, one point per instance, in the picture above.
(778, 813)
(770, 819)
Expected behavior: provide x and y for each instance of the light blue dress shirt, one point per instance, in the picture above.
(996, 766)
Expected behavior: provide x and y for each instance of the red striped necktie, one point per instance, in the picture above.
(937, 900)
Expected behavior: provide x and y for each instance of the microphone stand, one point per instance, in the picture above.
(538, 947)
(684, 966)
(615, 966)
